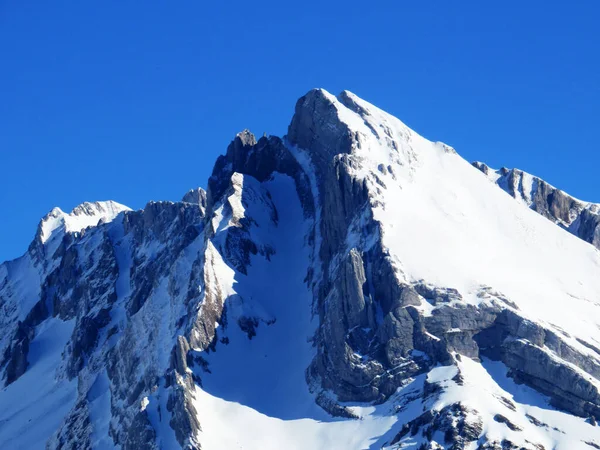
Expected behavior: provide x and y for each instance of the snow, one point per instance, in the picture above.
(159, 417)
(528, 188)
(256, 396)
(122, 249)
(38, 396)
(524, 186)
(486, 391)
(484, 381)
(100, 413)
(231, 425)
(83, 216)
(529, 183)
(442, 373)
(51, 222)
(24, 279)
(303, 159)
(258, 372)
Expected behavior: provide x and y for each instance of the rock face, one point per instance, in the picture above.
(382, 277)
(196, 196)
(577, 217)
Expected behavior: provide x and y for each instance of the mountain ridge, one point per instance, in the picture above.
(404, 286)
(578, 217)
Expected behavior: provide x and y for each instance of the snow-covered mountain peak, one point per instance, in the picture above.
(349, 270)
(374, 141)
(82, 216)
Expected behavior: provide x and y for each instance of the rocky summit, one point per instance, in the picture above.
(351, 285)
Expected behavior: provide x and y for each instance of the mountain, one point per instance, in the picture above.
(351, 285)
(578, 217)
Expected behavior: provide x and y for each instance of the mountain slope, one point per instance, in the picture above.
(579, 218)
(351, 285)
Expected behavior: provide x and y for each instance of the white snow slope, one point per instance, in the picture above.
(33, 407)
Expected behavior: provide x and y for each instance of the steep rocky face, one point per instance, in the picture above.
(349, 270)
(577, 217)
(345, 306)
(196, 196)
(370, 323)
(111, 282)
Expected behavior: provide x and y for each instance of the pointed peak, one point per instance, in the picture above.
(196, 196)
(319, 93)
(318, 124)
(316, 95)
(245, 137)
(53, 213)
(49, 223)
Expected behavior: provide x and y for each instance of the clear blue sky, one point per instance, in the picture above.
(133, 101)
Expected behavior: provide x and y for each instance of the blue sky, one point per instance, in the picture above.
(115, 100)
